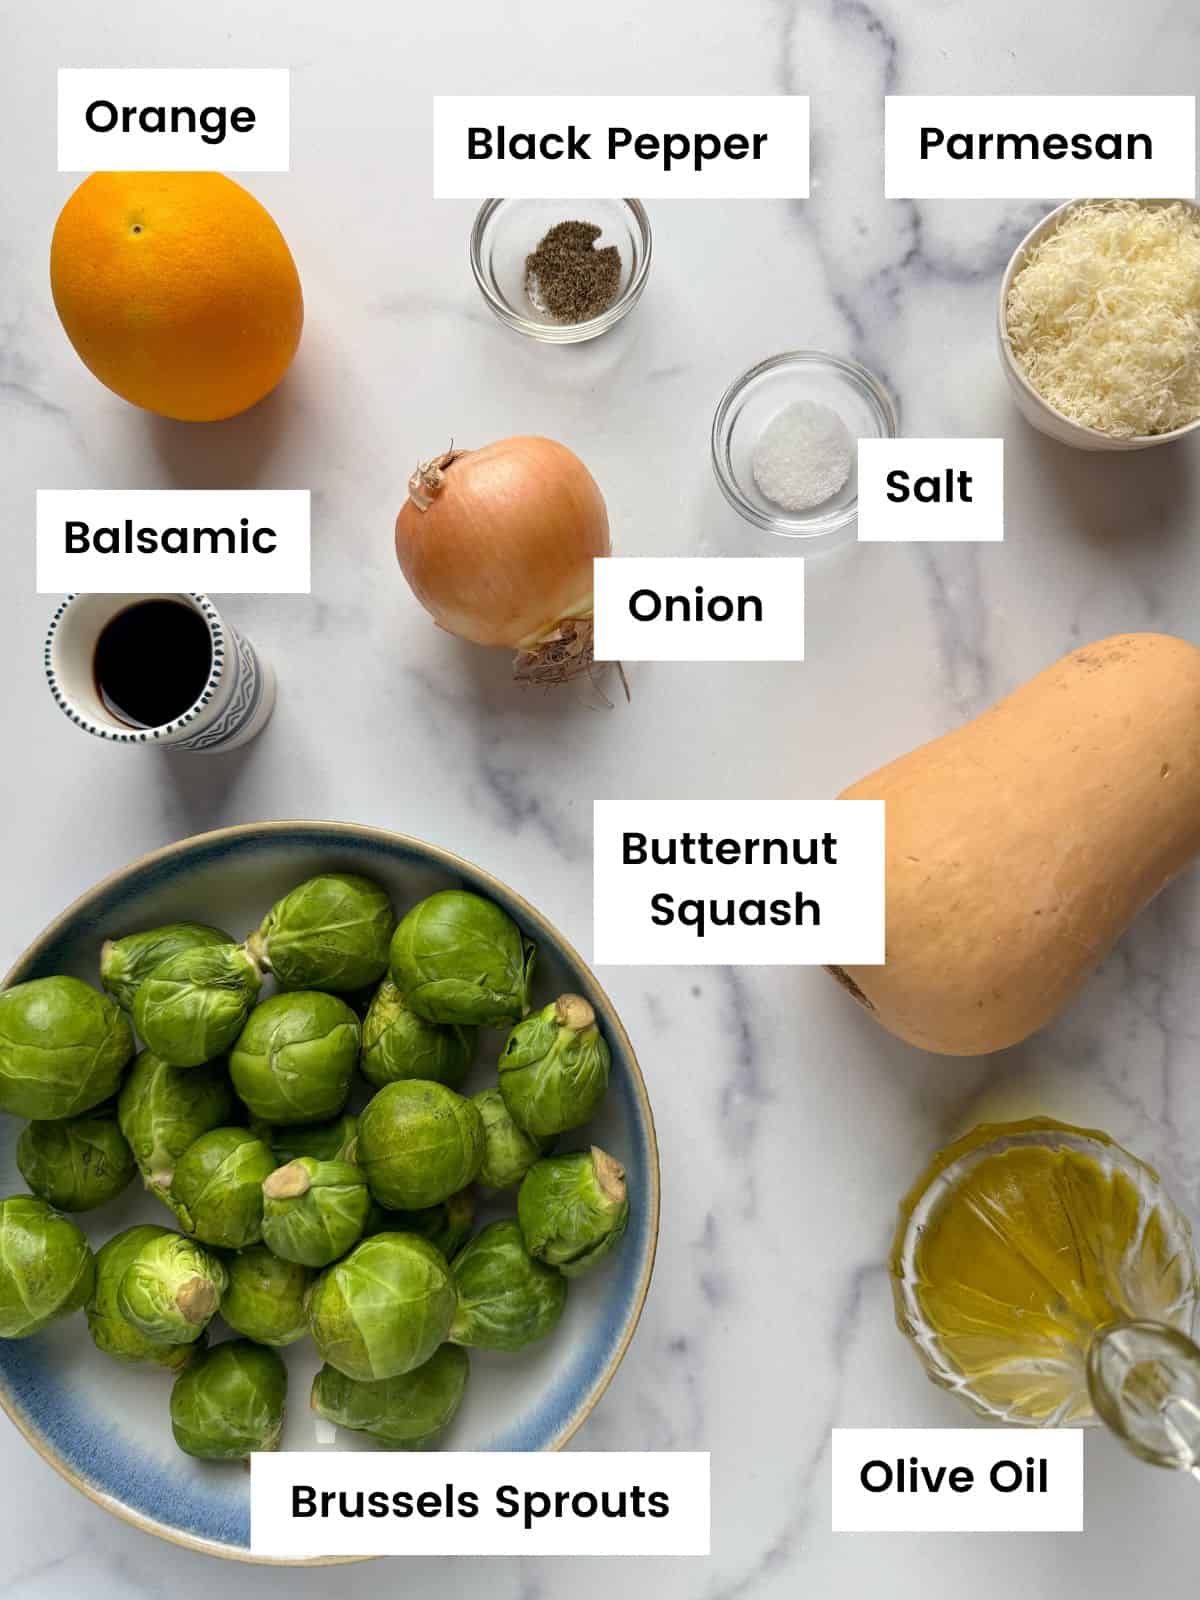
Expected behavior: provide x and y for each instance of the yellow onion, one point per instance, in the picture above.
(497, 544)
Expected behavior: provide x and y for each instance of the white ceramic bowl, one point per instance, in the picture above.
(1033, 407)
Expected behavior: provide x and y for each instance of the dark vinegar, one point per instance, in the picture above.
(152, 662)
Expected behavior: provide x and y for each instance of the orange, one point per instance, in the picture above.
(177, 290)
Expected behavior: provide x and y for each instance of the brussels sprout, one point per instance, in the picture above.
(508, 1151)
(404, 1413)
(314, 1211)
(63, 1048)
(397, 1043)
(458, 958)
(192, 1008)
(230, 1402)
(573, 1209)
(77, 1164)
(125, 962)
(295, 1057)
(217, 1189)
(46, 1266)
(110, 1331)
(265, 1297)
(383, 1309)
(324, 1141)
(163, 1110)
(506, 1299)
(418, 1143)
(447, 1226)
(330, 933)
(554, 1068)
(171, 1289)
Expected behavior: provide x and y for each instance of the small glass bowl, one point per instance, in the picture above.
(506, 231)
(750, 403)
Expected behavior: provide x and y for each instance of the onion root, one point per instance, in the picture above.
(562, 655)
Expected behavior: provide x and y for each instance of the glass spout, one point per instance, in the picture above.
(1144, 1381)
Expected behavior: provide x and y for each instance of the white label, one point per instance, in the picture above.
(923, 489)
(134, 541)
(481, 1503)
(699, 608)
(174, 119)
(687, 147)
(738, 882)
(957, 1480)
(1033, 146)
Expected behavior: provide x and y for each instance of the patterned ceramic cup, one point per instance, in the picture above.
(234, 705)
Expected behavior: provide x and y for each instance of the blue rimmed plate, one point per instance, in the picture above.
(104, 1426)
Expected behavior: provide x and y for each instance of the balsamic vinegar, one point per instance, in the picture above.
(152, 662)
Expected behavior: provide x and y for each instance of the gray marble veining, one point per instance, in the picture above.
(789, 1123)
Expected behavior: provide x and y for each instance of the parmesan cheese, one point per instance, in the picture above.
(1104, 317)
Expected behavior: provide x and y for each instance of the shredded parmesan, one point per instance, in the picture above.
(1104, 317)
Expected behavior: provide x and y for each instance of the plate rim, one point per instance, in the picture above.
(454, 863)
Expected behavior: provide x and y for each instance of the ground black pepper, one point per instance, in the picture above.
(568, 277)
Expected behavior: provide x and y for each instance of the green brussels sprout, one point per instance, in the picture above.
(230, 1402)
(295, 1057)
(314, 1211)
(508, 1151)
(418, 1143)
(397, 1043)
(171, 1289)
(554, 1068)
(78, 1164)
(217, 1189)
(192, 1008)
(63, 1048)
(383, 1309)
(163, 1111)
(404, 1413)
(47, 1269)
(447, 1226)
(324, 1141)
(110, 1331)
(573, 1209)
(125, 962)
(330, 933)
(456, 957)
(506, 1299)
(265, 1297)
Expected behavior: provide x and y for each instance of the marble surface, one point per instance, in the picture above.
(789, 1123)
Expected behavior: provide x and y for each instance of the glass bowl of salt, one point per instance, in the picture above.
(785, 442)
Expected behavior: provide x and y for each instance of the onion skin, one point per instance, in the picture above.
(502, 554)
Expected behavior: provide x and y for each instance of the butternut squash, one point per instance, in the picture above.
(1023, 844)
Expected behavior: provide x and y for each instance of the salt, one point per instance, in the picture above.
(802, 456)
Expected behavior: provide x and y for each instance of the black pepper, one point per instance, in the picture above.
(567, 277)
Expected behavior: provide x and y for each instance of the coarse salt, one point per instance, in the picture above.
(802, 456)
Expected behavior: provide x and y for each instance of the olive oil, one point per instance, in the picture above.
(1020, 1244)
(152, 661)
